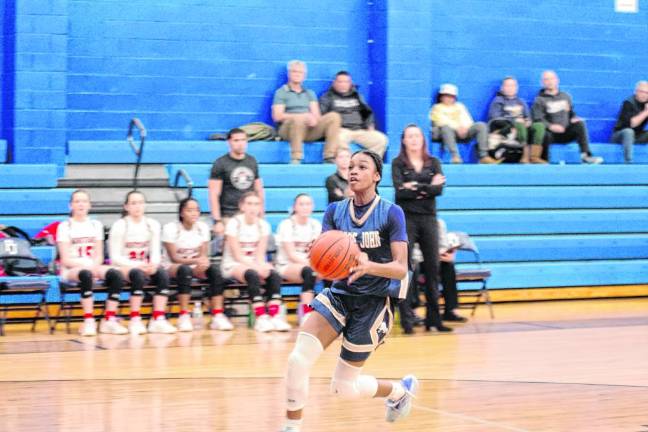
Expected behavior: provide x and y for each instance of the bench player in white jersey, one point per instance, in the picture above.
(80, 242)
(294, 236)
(135, 249)
(186, 243)
(245, 259)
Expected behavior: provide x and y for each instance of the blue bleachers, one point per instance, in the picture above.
(28, 175)
(536, 226)
(558, 153)
(274, 152)
(278, 152)
(34, 201)
(457, 175)
(484, 198)
(566, 273)
(566, 221)
(561, 248)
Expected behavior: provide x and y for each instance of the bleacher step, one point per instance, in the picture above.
(111, 183)
(151, 208)
(116, 195)
(114, 171)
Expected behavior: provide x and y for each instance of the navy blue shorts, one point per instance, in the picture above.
(364, 321)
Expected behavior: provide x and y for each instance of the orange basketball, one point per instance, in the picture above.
(333, 254)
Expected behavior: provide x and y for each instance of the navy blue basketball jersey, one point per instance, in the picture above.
(373, 226)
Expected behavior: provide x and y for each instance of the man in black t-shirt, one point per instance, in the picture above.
(633, 118)
(232, 175)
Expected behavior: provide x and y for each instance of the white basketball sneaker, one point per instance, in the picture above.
(161, 325)
(221, 322)
(88, 328)
(280, 323)
(136, 327)
(401, 408)
(263, 324)
(111, 326)
(184, 323)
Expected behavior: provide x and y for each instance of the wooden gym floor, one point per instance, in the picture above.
(555, 366)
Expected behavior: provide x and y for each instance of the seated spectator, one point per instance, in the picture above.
(294, 236)
(451, 122)
(80, 242)
(232, 175)
(447, 273)
(186, 244)
(337, 184)
(555, 110)
(357, 116)
(509, 109)
(630, 128)
(136, 250)
(296, 112)
(245, 259)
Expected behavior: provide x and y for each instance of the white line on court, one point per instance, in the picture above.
(470, 418)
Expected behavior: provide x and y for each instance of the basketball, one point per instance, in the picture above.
(333, 254)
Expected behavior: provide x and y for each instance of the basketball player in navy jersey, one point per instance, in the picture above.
(361, 306)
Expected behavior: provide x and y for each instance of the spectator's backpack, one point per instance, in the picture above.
(256, 131)
(259, 131)
(47, 235)
(502, 142)
(16, 257)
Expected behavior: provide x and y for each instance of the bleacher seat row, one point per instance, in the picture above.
(536, 226)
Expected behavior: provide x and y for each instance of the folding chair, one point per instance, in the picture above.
(476, 274)
(19, 286)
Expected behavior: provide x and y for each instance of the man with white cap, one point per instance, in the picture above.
(451, 122)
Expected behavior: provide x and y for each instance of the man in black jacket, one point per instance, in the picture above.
(555, 110)
(357, 117)
(630, 128)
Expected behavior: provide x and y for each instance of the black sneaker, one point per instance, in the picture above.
(453, 317)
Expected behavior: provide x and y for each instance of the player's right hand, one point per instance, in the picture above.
(360, 268)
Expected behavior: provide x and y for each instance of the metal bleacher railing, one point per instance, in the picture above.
(135, 122)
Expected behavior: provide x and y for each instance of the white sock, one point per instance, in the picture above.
(294, 424)
(398, 391)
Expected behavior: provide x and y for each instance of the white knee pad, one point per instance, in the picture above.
(349, 384)
(303, 356)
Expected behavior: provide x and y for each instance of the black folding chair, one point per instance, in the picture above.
(478, 274)
(24, 285)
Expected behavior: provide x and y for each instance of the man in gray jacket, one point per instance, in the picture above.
(357, 116)
(555, 109)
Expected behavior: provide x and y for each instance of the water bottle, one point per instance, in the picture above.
(197, 315)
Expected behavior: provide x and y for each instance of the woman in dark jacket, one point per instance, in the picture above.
(418, 179)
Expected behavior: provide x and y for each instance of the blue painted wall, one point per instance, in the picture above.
(598, 54)
(188, 67)
(80, 69)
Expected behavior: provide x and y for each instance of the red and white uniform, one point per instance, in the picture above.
(187, 242)
(134, 243)
(82, 238)
(248, 237)
(300, 235)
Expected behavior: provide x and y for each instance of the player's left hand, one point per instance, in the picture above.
(360, 268)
